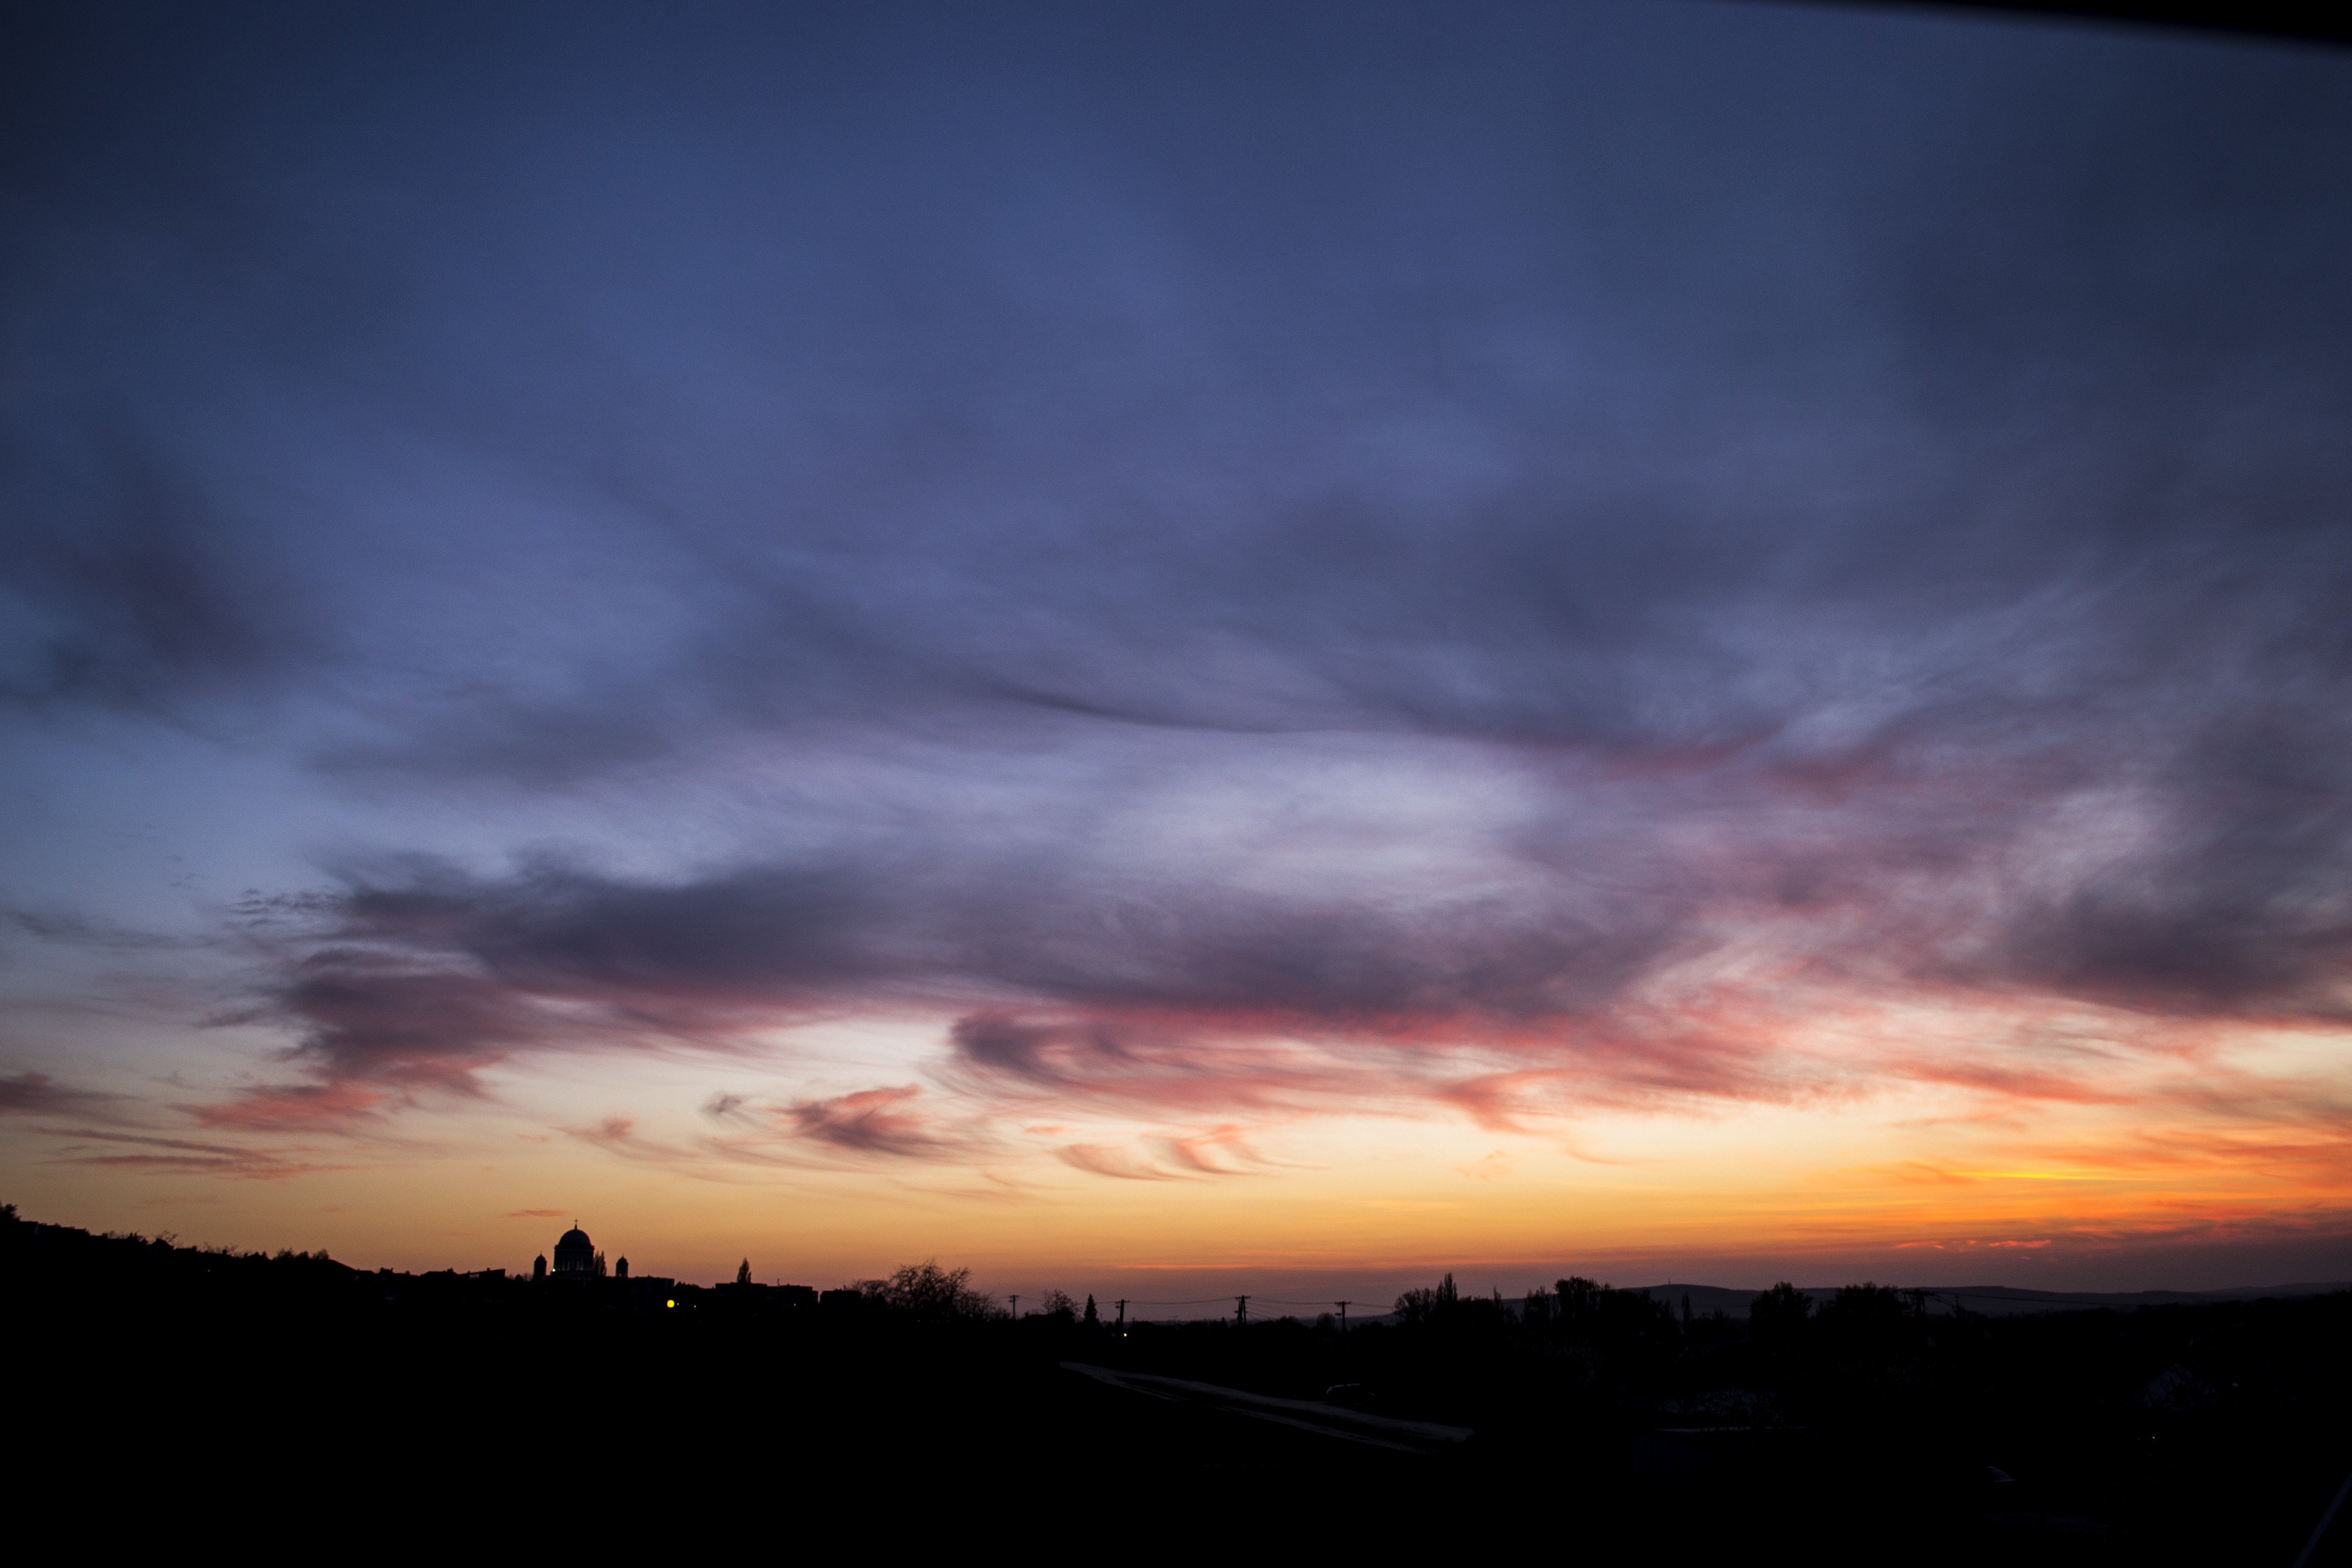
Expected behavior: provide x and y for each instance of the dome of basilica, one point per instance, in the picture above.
(575, 1255)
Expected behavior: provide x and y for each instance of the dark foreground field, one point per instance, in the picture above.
(157, 1392)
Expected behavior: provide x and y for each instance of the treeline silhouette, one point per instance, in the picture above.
(1860, 1429)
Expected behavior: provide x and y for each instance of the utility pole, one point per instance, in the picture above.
(1343, 1316)
(1241, 1315)
(1016, 1308)
(1122, 1317)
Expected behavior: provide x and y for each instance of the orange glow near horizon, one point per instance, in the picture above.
(2217, 1143)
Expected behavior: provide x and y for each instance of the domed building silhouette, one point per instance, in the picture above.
(575, 1255)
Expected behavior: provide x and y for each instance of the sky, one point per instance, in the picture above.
(1175, 649)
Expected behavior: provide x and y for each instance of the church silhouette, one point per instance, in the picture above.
(576, 1259)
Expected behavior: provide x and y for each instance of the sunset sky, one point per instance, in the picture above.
(1175, 649)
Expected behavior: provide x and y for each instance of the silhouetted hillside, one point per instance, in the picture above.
(1861, 1426)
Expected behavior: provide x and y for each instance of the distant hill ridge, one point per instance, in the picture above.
(1997, 1301)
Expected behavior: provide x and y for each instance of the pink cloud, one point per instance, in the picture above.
(1106, 1159)
(1716, 976)
(290, 1107)
(872, 1122)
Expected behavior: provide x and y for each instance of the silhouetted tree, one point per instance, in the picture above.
(1868, 1303)
(1777, 1316)
(742, 1273)
(1575, 1303)
(1427, 1306)
(929, 1293)
(1092, 1319)
(1609, 1318)
(1443, 1305)
(1866, 1324)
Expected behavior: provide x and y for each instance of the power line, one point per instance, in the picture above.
(1219, 1300)
(1199, 1301)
